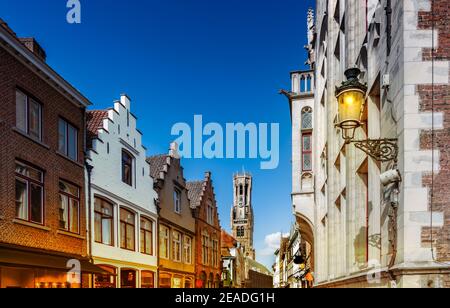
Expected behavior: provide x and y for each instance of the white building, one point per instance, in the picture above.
(363, 233)
(123, 215)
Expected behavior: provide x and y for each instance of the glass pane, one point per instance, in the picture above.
(307, 143)
(21, 111)
(62, 141)
(307, 120)
(107, 231)
(29, 172)
(127, 217)
(36, 203)
(130, 237)
(123, 242)
(142, 241)
(148, 280)
(74, 216)
(35, 119)
(63, 212)
(98, 228)
(21, 200)
(69, 189)
(307, 163)
(72, 148)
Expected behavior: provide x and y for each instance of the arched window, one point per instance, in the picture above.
(127, 229)
(307, 118)
(146, 236)
(103, 222)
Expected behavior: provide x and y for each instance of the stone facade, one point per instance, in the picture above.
(242, 223)
(113, 133)
(363, 229)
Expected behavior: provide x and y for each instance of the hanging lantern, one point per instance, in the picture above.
(351, 101)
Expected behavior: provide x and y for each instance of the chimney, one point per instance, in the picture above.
(29, 43)
(34, 47)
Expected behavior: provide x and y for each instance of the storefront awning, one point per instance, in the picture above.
(33, 259)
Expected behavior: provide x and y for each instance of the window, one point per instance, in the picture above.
(307, 152)
(67, 139)
(127, 279)
(104, 222)
(188, 283)
(28, 115)
(177, 201)
(127, 230)
(210, 213)
(240, 232)
(106, 281)
(176, 246)
(127, 168)
(165, 281)
(147, 280)
(164, 242)
(187, 250)
(205, 249)
(215, 253)
(146, 236)
(29, 194)
(69, 210)
(307, 118)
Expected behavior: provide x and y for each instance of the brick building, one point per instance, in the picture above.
(208, 265)
(42, 208)
(176, 224)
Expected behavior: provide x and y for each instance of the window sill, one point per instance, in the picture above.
(18, 131)
(69, 159)
(65, 233)
(31, 225)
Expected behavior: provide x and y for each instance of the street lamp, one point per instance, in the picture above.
(351, 96)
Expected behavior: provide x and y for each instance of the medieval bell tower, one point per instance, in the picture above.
(242, 213)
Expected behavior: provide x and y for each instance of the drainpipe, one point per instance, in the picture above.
(89, 169)
(158, 209)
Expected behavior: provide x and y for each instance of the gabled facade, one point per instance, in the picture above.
(121, 200)
(177, 238)
(208, 266)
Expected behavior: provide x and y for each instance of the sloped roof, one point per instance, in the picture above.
(228, 241)
(157, 164)
(258, 267)
(195, 192)
(94, 121)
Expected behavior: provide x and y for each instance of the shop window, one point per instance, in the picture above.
(147, 280)
(106, 281)
(165, 281)
(127, 279)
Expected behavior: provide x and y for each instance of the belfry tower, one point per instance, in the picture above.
(242, 213)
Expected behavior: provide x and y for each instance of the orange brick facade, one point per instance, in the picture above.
(208, 274)
(15, 146)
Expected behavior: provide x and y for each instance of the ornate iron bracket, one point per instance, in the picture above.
(383, 150)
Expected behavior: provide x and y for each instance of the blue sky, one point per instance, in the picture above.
(223, 59)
